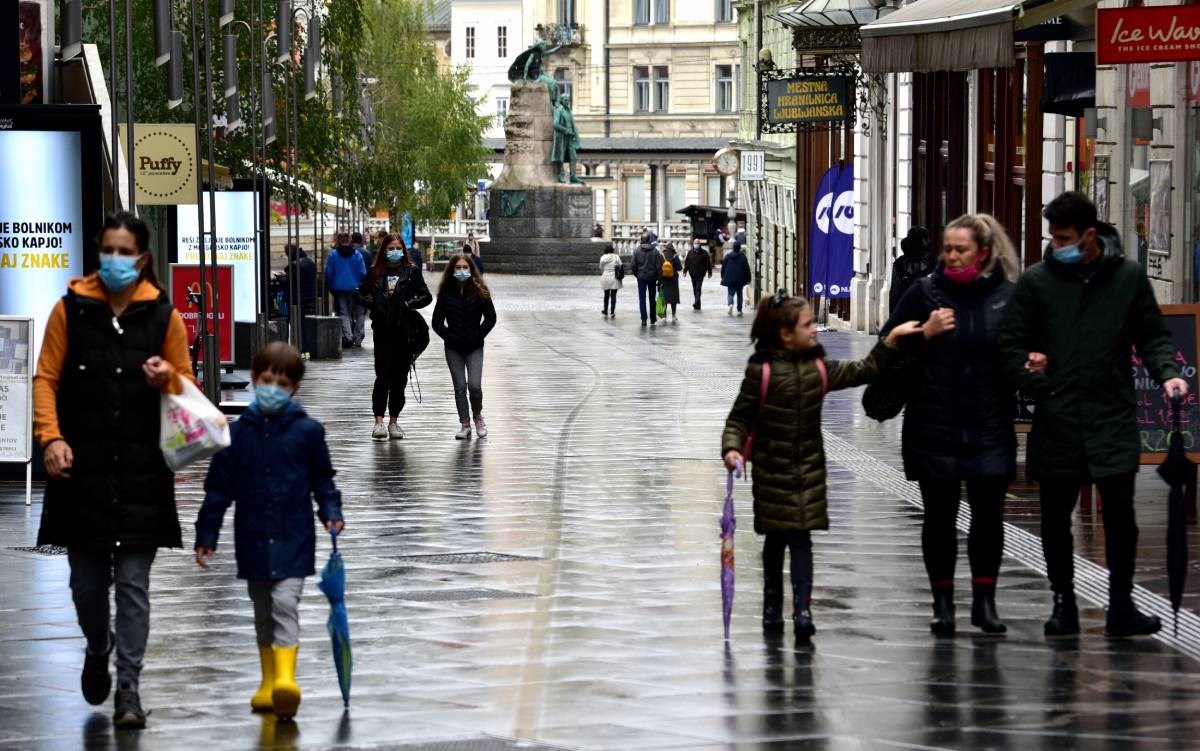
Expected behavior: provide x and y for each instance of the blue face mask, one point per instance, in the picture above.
(1068, 254)
(395, 256)
(462, 275)
(271, 399)
(118, 272)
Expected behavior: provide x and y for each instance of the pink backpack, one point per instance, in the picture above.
(748, 446)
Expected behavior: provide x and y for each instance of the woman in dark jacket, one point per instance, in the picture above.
(958, 415)
(463, 317)
(670, 284)
(392, 292)
(735, 275)
(112, 346)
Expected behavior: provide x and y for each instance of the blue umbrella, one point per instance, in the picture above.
(333, 584)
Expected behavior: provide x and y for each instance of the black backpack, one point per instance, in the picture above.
(911, 268)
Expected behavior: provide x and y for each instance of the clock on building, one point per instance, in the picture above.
(726, 161)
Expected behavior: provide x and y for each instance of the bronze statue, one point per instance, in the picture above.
(566, 141)
(527, 66)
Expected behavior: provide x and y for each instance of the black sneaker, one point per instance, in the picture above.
(95, 680)
(1064, 618)
(1129, 621)
(128, 712)
(802, 622)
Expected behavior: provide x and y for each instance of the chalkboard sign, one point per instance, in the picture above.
(1023, 414)
(1155, 414)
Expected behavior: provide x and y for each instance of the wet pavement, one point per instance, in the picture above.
(555, 585)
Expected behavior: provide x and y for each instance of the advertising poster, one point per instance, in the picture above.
(185, 296)
(822, 226)
(841, 236)
(1160, 206)
(16, 390)
(165, 164)
(235, 244)
(41, 220)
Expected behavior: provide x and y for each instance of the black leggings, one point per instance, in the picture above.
(800, 544)
(392, 361)
(939, 535)
(1058, 499)
(610, 300)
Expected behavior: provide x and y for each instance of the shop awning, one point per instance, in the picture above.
(935, 35)
(1034, 12)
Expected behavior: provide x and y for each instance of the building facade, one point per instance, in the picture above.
(484, 37)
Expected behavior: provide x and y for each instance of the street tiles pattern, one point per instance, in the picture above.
(556, 584)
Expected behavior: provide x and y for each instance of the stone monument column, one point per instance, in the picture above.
(537, 225)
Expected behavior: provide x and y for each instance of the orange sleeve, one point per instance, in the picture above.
(175, 352)
(49, 372)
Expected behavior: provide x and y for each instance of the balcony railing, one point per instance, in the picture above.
(565, 35)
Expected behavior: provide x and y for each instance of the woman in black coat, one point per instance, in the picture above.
(463, 317)
(958, 415)
(392, 292)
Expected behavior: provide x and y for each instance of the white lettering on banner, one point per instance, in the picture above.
(824, 210)
(843, 213)
(1172, 33)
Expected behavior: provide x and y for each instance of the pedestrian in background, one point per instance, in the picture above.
(113, 345)
(302, 269)
(344, 271)
(356, 239)
(790, 368)
(958, 414)
(1072, 322)
(276, 466)
(463, 317)
(915, 263)
(671, 268)
(735, 275)
(646, 267)
(468, 251)
(697, 264)
(392, 292)
(609, 283)
(415, 254)
(597, 231)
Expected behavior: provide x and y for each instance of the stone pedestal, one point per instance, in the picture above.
(537, 225)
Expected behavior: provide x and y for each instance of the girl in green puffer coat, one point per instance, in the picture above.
(789, 455)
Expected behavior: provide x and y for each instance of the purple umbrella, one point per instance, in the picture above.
(728, 527)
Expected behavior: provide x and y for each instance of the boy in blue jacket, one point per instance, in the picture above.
(276, 465)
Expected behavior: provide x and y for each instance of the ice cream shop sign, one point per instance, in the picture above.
(1163, 34)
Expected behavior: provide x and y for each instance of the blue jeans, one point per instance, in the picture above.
(735, 292)
(647, 294)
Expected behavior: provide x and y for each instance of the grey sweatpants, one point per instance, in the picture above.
(92, 574)
(466, 372)
(276, 610)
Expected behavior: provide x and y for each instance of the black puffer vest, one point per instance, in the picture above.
(120, 492)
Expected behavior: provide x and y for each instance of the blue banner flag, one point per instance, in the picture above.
(822, 226)
(840, 253)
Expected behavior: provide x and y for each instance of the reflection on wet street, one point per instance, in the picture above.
(556, 585)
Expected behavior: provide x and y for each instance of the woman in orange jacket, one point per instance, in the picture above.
(113, 344)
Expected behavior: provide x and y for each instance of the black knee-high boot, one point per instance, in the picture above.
(800, 544)
(772, 558)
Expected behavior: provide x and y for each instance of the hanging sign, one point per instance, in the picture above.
(822, 226)
(185, 296)
(753, 166)
(164, 166)
(1137, 86)
(840, 252)
(1161, 34)
(16, 389)
(810, 99)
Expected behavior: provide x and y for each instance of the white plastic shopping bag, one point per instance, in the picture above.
(192, 427)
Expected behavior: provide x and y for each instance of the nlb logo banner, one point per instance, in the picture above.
(831, 250)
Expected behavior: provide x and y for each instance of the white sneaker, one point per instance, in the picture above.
(730, 310)
(480, 427)
(380, 433)
(395, 432)
(464, 432)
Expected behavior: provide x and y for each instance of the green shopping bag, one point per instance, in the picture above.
(660, 305)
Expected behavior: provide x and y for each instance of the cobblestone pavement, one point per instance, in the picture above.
(556, 584)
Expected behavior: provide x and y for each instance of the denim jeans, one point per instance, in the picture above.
(352, 316)
(647, 294)
(466, 373)
(735, 292)
(92, 574)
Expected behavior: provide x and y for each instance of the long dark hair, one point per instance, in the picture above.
(379, 268)
(141, 236)
(477, 285)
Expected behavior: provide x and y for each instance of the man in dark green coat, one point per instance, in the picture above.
(1072, 323)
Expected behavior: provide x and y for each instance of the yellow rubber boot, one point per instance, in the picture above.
(262, 699)
(285, 697)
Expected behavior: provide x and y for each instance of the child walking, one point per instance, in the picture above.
(790, 369)
(276, 465)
